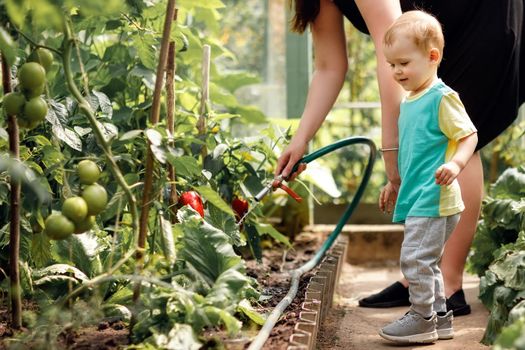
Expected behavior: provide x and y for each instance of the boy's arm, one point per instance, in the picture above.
(465, 150)
(446, 173)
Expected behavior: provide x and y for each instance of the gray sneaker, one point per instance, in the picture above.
(444, 326)
(411, 328)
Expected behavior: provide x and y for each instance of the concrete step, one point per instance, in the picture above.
(369, 244)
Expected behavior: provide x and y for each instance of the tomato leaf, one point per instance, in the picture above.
(40, 249)
(213, 197)
(146, 49)
(272, 232)
(185, 166)
(104, 104)
(7, 47)
(181, 336)
(168, 242)
(246, 308)
(129, 135)
(254, 241)
(205, 247)
(226, 223)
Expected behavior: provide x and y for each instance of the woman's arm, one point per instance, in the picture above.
(331, 64)
(379, 15)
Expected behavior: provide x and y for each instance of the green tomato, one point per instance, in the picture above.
(85, 225)
(35, 109)
(39, 90)
(13, 103)
(25, 123)
(88, 172)
(75, 209)
(31, 75)
(58, 227)
(42, 56)
(96, 198)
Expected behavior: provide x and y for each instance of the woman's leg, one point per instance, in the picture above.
(458, 245)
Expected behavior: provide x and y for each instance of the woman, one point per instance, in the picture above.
(481, 62)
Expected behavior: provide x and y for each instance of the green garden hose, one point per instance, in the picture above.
(296, 274)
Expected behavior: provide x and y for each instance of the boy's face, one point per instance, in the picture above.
(412, 68)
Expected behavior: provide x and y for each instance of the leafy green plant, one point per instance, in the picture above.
(512, 336)
(208, 284)
(503, 217)
(502, 288)
(498, 251)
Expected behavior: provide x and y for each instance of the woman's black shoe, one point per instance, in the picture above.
(458, 304)
(397, 295)
(392, 296)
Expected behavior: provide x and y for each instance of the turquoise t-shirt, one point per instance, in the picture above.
(430, 125)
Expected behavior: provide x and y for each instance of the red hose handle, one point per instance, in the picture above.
(291, 193)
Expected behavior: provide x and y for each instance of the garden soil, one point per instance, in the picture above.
(350, 327)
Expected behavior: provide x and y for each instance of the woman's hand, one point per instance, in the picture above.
(388, 197)
(392, 171)
(291, 155)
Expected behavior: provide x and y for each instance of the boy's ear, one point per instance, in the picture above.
(435, 55)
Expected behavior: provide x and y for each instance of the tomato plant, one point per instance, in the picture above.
(86, 87)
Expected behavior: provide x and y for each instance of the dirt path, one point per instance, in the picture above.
(351, 327)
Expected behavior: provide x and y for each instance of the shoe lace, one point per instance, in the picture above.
(407, 318)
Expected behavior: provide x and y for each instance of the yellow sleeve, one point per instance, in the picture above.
(453, 118)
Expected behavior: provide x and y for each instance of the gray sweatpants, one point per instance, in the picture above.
(421, 254)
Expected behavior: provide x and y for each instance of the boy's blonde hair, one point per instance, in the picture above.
(424, 28)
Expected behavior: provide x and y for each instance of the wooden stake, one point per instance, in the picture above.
(170, 121)
(14, 225)
(154, 119)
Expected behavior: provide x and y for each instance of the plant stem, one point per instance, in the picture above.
(35, 44)
(14, 225)
(205, 95)
(82, 69)
(99, 278)
(85, 107)
(154, 119)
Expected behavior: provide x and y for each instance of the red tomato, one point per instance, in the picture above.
(240, 206)
(192, 199)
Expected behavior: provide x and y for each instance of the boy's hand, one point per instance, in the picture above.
(446, 173)
(388, 197)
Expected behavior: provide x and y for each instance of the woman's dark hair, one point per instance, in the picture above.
(305, 12)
